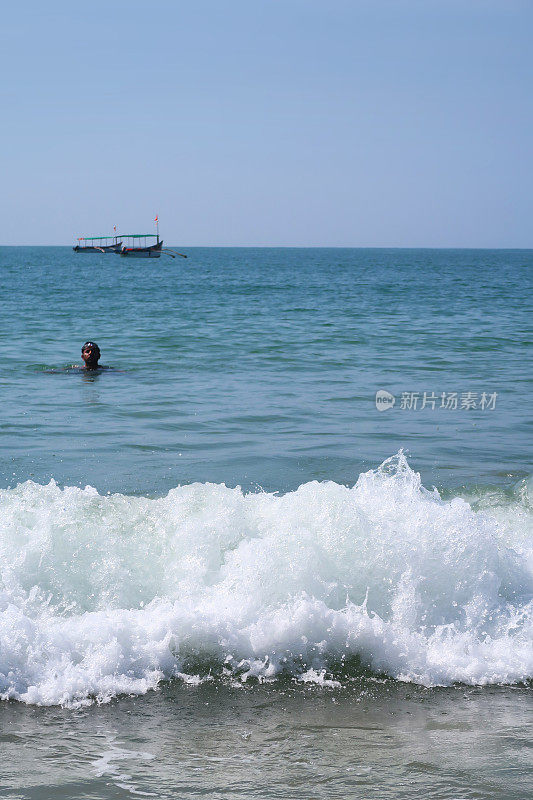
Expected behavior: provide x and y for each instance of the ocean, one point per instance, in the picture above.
(283, 547)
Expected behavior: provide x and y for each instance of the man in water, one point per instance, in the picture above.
(90, 352)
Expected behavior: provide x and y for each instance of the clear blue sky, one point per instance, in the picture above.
(268, 122)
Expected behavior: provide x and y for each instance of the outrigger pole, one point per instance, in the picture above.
(168, 251)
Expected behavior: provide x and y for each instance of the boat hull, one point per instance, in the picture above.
(111, 248)
(154, 251)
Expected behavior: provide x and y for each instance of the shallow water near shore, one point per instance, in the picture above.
(376, 740)
(224, 572)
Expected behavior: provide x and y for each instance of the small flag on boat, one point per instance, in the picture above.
(115, 228)
(156, 218)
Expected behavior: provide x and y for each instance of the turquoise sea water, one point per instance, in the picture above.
(259, 367)
(223, 571)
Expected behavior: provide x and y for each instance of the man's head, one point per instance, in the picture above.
(90, 352)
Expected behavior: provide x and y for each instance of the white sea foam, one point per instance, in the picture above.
(102, 595)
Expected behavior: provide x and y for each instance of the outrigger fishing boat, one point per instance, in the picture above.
(98, 244)
(138, 246)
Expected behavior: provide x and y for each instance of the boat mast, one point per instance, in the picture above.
(157, 225)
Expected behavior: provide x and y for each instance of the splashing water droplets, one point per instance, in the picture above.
(101, 595)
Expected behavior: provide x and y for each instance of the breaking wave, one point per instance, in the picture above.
(103, 595)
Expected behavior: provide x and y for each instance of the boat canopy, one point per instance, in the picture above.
(95, 238)
(139, 235)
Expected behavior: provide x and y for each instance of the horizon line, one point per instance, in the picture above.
(310, 247)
